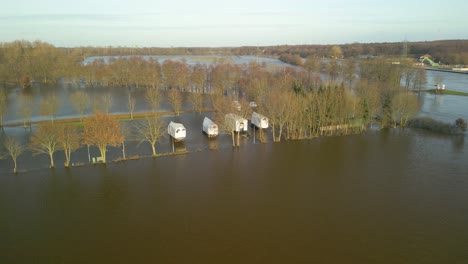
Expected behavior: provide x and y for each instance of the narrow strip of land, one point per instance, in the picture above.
(120, 116)
(451, 92)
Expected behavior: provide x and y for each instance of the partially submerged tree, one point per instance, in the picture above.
(80, 102)
(14, 149)
(404, 106)
(150, 130)
(26, 104)
(175, 99)
(45, 141)
(3, 106)
(49, 106)
(197, 100)
(102, 130)
(460, 125)
(68, 139)
(125, 132)
(131, 104)
(153, 97)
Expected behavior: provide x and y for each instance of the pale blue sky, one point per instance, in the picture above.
(230, 23)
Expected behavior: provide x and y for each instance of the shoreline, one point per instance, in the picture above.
(445, 70)
(443, 92)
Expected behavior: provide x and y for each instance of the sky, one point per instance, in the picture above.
(218, 23)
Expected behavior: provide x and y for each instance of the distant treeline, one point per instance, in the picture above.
(452, 52)
(445, 51)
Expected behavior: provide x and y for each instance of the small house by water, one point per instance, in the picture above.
(210, 128)
(259, 120)
(176, 131)
(237, 123)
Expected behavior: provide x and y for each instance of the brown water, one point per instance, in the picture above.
(384, 197)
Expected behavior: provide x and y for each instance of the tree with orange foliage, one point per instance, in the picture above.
(69, 139)
(102, 130)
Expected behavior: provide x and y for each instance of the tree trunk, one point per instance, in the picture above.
(233, 138)
(67, 157)
(14, 169)
(102, 149)
(123, 150)
(51, 156)
(280, 133)
(273, 132)
(154, 149)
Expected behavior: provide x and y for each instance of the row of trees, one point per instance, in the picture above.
(100, 130)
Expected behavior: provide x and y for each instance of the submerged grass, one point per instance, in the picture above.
(450, 92)
(436, 126)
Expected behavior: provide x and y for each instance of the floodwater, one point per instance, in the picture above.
(396, 196)
(386, 196)
(446, 108)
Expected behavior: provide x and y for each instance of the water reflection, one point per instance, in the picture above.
(348, 199)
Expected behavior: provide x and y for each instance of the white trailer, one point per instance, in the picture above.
(259, 120)
(210, 128)
(176, 131)
(238, 123)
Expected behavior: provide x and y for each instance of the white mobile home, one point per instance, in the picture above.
(259, 120)
(176, 131)
(210, 128)
(236, 122)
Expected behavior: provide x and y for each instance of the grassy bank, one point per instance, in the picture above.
(122, 117)
(435, 91)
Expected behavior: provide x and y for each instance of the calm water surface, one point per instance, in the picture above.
(383, 197)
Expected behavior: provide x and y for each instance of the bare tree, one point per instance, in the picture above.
(197, 78)
(49, 106)
(404, 106)
(131, 104)
(80, 102)
(26, 103)
(312, 64)
(197, 100)
(3, 106)
(125, 132)
(153, 97)
(68, 139)
(150, 130)
(349, 71)
(419, 79)
(175, 99)
(102, 103)
(333, 70)
(106, 102)
(45, 141)
(14, 149)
